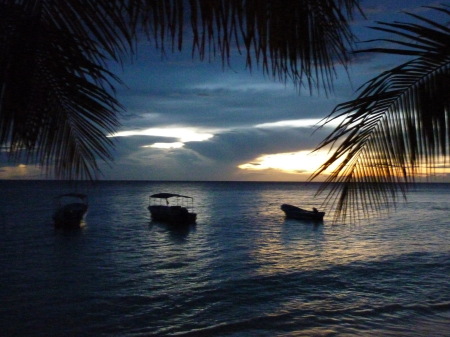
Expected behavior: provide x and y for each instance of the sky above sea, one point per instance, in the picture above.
(187, 119)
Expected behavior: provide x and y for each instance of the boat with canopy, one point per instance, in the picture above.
(172, 208)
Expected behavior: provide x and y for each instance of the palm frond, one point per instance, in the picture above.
(299, 40)
(56, 105)
(56, 94)
(397, 128)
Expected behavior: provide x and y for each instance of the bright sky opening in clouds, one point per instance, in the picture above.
(297, 123)
(176, 145)
(183, 134)
(291, 123)
(293, 162)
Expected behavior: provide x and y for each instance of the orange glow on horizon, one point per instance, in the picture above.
(302, 162)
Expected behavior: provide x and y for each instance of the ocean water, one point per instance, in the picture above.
(242, 270)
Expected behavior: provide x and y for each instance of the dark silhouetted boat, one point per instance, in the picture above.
(70, 209)
(172, 208)
(293, 212)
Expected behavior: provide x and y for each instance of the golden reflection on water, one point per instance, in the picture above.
(292, 246)
(278, 251)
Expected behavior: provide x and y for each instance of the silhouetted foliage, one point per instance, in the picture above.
(398, 125)
(57, 99)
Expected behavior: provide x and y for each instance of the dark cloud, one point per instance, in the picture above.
(231, 104)
(247, 144)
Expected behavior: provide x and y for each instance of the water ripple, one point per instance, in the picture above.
(243, 270)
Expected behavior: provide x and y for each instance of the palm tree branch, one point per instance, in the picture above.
(300, 40)
(398, 124)
(66, 118)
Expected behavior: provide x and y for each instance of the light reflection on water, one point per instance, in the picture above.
(242, 270)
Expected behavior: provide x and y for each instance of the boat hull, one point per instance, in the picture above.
(172, 214)
(293, 212)
(70, 216)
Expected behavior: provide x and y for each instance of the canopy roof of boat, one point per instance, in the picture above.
(74, 195)
(168, 195)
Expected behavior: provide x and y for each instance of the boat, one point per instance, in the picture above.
(172, 208)
(70, 209)
(294, 212)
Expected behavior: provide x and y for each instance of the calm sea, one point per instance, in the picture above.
(243, 270)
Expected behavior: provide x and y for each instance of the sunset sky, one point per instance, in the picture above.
(192, 120)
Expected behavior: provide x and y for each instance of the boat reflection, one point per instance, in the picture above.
(82, 226)
(176, 233)
(314, 224)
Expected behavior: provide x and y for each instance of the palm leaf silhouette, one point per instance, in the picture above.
(56, 103)
(298, 40)
(57, 96)
(398, 126)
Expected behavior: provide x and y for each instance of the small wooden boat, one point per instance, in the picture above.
(70, 209)
(298, 213)
(178, 210)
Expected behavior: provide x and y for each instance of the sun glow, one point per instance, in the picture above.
(307, 162)
(175, 145)
(20, 171)
(292, 162)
